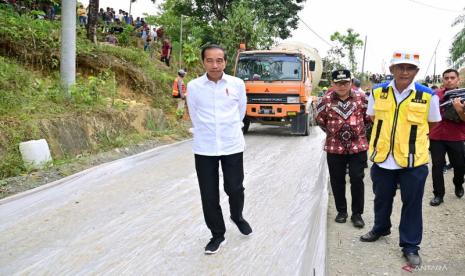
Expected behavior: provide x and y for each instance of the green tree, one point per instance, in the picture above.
(281, 16)
(92, 20)
(457, 49)
(349, 42)
(242, 26)
(333, 60)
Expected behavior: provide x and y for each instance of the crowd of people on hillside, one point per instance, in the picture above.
(379, 78)
(44, 10)
(433, 79)
(112, 24)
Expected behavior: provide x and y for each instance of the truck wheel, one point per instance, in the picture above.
(306, 121)
(312, 115)
(307, 126)
(246, 126)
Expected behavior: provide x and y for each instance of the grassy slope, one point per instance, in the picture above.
(29, 80)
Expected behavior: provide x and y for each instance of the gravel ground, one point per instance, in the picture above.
(14, 185)
(442, 247)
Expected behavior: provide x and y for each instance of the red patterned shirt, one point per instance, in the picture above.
(344, 122)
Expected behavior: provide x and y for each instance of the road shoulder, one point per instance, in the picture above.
(442, 248)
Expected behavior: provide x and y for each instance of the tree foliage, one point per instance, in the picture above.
(242, 26)
(350, 43)
(281, 16)
(333, 60)
(457, 49)
(229, 24)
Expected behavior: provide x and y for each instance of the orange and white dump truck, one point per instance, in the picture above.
(279, 84)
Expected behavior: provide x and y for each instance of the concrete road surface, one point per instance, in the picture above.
(142, 215)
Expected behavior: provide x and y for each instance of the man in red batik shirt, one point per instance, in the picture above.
(342, 116)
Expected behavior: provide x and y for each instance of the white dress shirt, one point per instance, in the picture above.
(217, 110)
(434, 115)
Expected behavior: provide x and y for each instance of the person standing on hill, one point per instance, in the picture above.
(179, 92)
(82, 15)
(217, 103)
(341, 115)
(402, 112)
(166, 51)
(448, 137)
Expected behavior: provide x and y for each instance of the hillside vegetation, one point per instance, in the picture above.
(109, 79)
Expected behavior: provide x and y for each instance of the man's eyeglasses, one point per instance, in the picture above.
(406, 68)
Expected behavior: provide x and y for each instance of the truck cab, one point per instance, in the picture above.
(278, 86)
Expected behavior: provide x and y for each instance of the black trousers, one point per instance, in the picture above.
(207, 168)
(456, 153)
(337, 164)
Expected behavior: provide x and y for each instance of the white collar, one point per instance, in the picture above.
(224, 77)
(410, 87)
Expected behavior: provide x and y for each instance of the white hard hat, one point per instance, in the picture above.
(400, 57)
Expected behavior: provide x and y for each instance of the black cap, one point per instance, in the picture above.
(341, 75)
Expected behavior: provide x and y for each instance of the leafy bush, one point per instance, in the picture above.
(92, 91)
(39, 39)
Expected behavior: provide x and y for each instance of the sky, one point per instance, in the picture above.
(389, 25)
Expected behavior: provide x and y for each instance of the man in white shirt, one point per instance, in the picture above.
(217, 104)
(402, 112)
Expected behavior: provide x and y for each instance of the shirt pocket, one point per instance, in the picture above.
(229, 98)
(382, 109)
(416, 113)
(232, 92)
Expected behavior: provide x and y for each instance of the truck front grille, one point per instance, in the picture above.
(268, 98)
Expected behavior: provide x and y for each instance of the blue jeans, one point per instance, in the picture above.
(82, 20)
(412, 184)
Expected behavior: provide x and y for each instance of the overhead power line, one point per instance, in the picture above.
(319, 36)
(433, 7)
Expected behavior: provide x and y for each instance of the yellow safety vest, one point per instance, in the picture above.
(401, 128)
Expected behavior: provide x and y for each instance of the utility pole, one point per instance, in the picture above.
(68, 45)
(130, 6)
(180, 46)
(364, 51)
(434, 67)
(433, 56)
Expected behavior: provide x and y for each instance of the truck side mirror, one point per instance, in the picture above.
(311, 64)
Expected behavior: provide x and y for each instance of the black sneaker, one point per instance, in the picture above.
(436, 201)
(459, 191)
(243, 225)
(341, 218)
(214, 245)
(357, 220)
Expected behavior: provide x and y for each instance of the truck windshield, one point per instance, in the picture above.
(269, 67)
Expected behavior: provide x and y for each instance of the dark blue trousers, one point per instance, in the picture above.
(412, 184)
